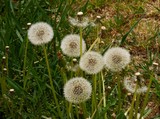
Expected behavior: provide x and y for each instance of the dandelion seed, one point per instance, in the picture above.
(70, 45)
(77, 90)
(40, 33)
(91, 62)
(130, 85)
(116, 58)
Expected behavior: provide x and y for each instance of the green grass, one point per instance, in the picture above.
(128, 24)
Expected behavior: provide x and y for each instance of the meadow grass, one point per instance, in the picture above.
(32, 77)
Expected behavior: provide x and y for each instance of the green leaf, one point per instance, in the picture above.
(125, 36)
(121, 115)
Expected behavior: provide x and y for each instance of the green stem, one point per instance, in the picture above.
(94, 94)
(132, 104)
(24, 65)
(119, 95)
(77, 113)
(104, 95)
(51, 83)
(3, 85)
(97, 108)
(84, 110)
(137, 105)
(146, 97)
(69, 110)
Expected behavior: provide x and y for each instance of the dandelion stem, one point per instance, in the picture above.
(137, 105)
(146, 96)
(94, 93)
(51, 82)
(104, 96)
(83, 104)
(77, 113)
(132, 104)
(119, 94)
(24, 65)
(69, 110)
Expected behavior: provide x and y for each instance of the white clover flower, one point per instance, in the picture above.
(91, 62)
(77, 90)
(70, 45)
(40, 33)
(116, 58)
(130, 85)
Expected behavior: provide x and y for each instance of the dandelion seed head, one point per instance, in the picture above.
(91, 62)
(77, 90)
(130, 85)
(75, 22)
(116, 58)
(70, 45)
(40, 33)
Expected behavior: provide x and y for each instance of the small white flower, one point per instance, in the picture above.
(130, 85)
(91, 62)
(40, 33)
(70, 45)
(116, 58)
(77, 90)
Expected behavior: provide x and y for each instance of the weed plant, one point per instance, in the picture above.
(100, 59)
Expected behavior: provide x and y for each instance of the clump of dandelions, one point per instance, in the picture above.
(77, 90)
(40, 33)
(70, 45)
(116, 58)
(131, 82)
(91, 62)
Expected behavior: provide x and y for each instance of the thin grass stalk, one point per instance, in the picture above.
(24, 65)
(7, 60)
(100, 87)
(51, 83)
(104, 94)
(64, 77)
(146, 97)
(132, 104)
(97, 108)
(77, 113)
(83, 105)
(3, 85)
(119, 95)
(94, 93)
(3, 77)
(93, 44)
(137, 105)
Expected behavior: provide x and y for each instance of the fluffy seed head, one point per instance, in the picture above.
(40, 33)
(70, 45)
(91, 62)
(130, 85)
(77, 90)
(79, 23)
(116, 58)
